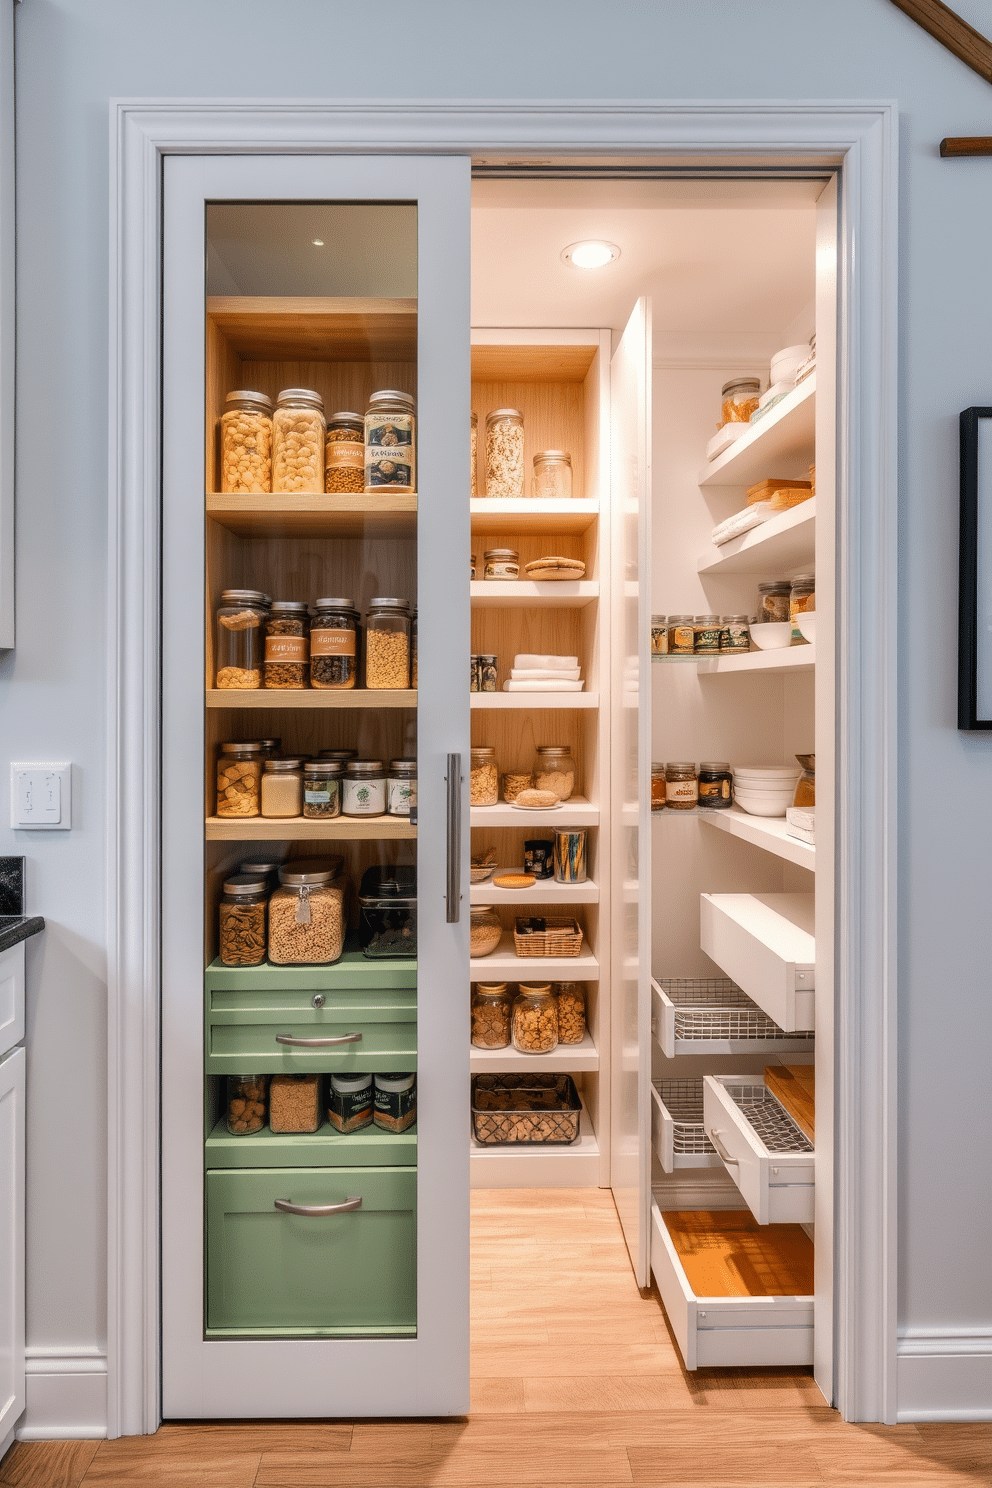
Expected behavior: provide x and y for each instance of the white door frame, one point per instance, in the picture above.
(861, 140)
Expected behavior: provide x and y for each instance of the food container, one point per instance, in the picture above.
(552, 475)
(657, 786)
(294, 1103)
(344, 454)
(387, 643)
(707, 635)
(287, 644)
(271, 748)
(735, 633)
(659, 635)
(401, 787)
(241, 920)
(349, 1102)
(539, 857)
(681, 635)
(488, 670)
(802, 600)
(474, 674)
(543, 936)
(515, 781)
(571, 1000)
(322, 788)
(298, 442)
(306, 913)
(246, 443)
(247, 1100)
(525, 1109)
(502, 563)
(773, 602)
(483, 776)
(805, 793)
(773, 636)
(265, 868)
(364, 788)
(491, 1004)
(535, 1019)
(473, 489)
(239, 774)
(554, 770)
(681, 785)
(282, 787)
(570, 855)
(387, 912)
(391, 442)
(786, 363)
(395, 1102)
(413, 649)
(715, 785)
(485, 930)
(505, 453)
(740, 399)
(344, 755)
(334, 643)
(241, 639)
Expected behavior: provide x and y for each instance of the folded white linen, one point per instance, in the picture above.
(742, 521)
(553, 663)
(536, 674)
(551, 685)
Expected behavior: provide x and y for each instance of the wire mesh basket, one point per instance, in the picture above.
(769, 1119)
(683, 1100)
(517, 1110)
(711, 1008)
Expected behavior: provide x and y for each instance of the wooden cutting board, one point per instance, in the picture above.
(728, 1254)
(795, 1086)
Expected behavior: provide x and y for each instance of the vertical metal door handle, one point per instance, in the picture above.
(453, 894)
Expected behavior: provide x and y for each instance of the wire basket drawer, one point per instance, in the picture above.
(713, 1015)
(677, 1127)
(518, 1110)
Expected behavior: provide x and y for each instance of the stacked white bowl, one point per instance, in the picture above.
(786, 363)
(765, 790)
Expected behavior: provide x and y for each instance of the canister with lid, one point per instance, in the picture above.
(715, 785)
(570, 998)
(306, 913)
(535, 1018)
(657, 786)
(247, 1104)
(502, 563)
(395, 1102)
(552, 475)
(298, 442)
(773, 601)
(242, 920)
(287, 644)
(344, 454)
(239, 775)
(265, 868)
(681, 635)
(483, 776)
(554, 770)
(322, 788)
(735, 633)
(344, 755)
(505, 453)
(387, 642)
(802, 599)
(401, 787)
(740, 399)
(364, 792)
(349, 1102)
(570, 855)
(246, 443)
(491, 1003)
(334, 643)
(659, 635)
(391, 442)
(241, 639)
(681, 785)
(707, 635)
(282, 787)
(270, 747)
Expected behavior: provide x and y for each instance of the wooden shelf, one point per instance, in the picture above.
(788, 659)
(339, 328)
(530, 700)
(492, 514)
(545, 891)
(315, 516)
(783, 542)
(576, 811)
(570, 594)
(505, 964)
(567, 1058)
(312, 697)
(306, 829)
(505, 361)
(768, 832)
(787, 433)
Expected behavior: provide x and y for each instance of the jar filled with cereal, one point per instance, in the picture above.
(740, 399)
(387, 643)
(554, 770)
(535, 1018)
(246, 443)
(241, 617)
(306, 913)
(490, 1015)
(505, 453)
(334, 644)
(239, 775)
(344, 454)
(298, 442)
(390, 442)
(571, 1000)
(483, 776)
(553, 474)
(287, 644)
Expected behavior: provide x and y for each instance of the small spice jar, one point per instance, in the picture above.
(505, 453)
(735, 633)
(657, 786)
(659, 635)
(483, 776)
(344, 454)
(349, 1102)
(241, 639)
(707, 635)
(802, 599)
(322, 788)
(334, 643)
(401, 787)
(552, 475)
(570, 855)
(535, 1018)
(485, 931)
(715, 785)
(554, 770)
(246, 443)
(502, 563)
(294, 1103)
(239, 775)
(773, 602)
(473, 489)
(490, 1015)
(571, 1000)
(287, 644)
(395, 1102)
(391, 442)
(740, 399)
(298, 442)
(387, 643)
(306, 913)
(681, 785)
(242, 920)
(282, 787)
(364, 792)
(247, 1101)
(681, 635)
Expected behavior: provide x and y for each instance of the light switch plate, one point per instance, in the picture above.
(41, 797)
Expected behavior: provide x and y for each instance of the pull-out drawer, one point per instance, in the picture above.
(291, 1030)
(306, 1252)
(677, 1131)
(712, 1015)
(767, 1155)
(764, 942)
(11, 997)
(734, 1294)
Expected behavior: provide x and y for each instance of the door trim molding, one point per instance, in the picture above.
(859, 138)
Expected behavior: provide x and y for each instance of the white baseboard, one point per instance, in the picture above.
(66, 1394)
(944, 1376)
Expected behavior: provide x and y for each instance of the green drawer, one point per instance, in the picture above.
(242, 1025)
(275, 1273)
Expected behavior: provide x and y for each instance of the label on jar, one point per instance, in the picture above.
(364, 798)
(402, 795)
(736, 638)
(389, 449)
(321, 794)
(502, 568)
(339, 455)
(683, 638)
(715, 790)
(332, 643)
(395, 1109)
(349, 1110)
(282, 648)
(683, 790)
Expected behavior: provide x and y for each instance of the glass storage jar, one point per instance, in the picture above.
(344, 755)
(802, 599)
(571, 1000)
(552, 475)
(535, 1018)
(387, 912)
(488, 672)
(391, 442)
(298, 442)
(484, 776)
(740, 399)
(395, 1102)
(282, 787)
(271, 748)
(247, 1101)
(246, 443)
(364, 788)
(505, 453)
(241, 920)
(681, 785)
(715, 785)
(707, 635)
(387, 643)
(334, 643)
(491, 1003)
(554, 770)
(401, 787)
(287, 644)
(306, 913)
(735, 633)
(659, 635)
(473, 489)
(262, 867)
(485, 930)
(344, 454)
(294, 1103)
(570, 855)
(501, 563)
(349, 1102)
(239, 775)
(681, 635)
(241, 639)
(773, 602)
(413, 650)
(322, 788)
(805, 793)
(657, 786)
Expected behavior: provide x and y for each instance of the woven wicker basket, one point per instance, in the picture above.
(560, 938)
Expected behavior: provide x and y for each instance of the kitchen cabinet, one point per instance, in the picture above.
(12, 1156)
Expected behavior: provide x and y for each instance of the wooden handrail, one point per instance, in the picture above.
(947, 27)
(966, 144)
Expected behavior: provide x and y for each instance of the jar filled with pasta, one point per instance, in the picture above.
(344, 454)
(740, 399)
(241, 617)
(239, 776)
(298, 442)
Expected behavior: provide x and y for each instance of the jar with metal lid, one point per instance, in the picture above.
(773, 602)
(707, 635)
(344, 454)
(401, 787)
(735, 633)
(681, 785)
(391, 442)
(571, 856)
(364, 789)
(349, 1102)
(287, 644)
(395, 1101)
(282, 787)
(491, 1004)
(657, 786)
(571, 1001)
(554, 770)
(241, 920)
(485, 930)
(502, 563)
(505, 453)
(247, 1104)
(298, 442)
(802, 599)
(344, 755)
(413, 650)
(487, 672)
(306, 913)
(263, 867)
(239, 775)
(334, 643)
(552, 475)
(270, 748)
(322, 788)
(715, 785)
(246, 443)
(473, 489)
(387, 643)
(681, 635)
(535, 1018)
(241, 639)
(659, 635)
(740, 399)
(483, 776)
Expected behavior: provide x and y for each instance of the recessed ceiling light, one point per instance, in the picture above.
(317, 242)
(591, 253)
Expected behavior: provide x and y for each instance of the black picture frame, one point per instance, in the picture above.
(975, 573)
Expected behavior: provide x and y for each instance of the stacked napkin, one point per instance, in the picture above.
(531, 673)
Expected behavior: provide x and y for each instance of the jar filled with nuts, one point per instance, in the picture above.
(306, 913)
(247, 1098)
(554, 770)
(287, 644)
(241, 618)
(322, 788)
(334, 644)
(246, 443)
(387, 643)
(485, 931)
(239, 775)
(344, 454)
(298, 442)
(282, 787)
(571, 1000)
(364, 790)
(773, 602)
(484, 776)
(490, 1015)
(505, 453)
(535, 1019)
(242, 920)
(390, 442)
(553, 474)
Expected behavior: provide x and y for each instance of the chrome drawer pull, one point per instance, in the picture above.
(715, 1139)
(316, 1211)
(317, 1043)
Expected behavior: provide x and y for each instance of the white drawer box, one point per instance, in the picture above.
(677, 1133)
(11, 997)
(769, 1158)
(764, 943)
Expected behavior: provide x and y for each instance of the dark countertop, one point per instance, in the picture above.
(15, 928)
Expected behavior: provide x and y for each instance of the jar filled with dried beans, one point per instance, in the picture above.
(287, 644)
(344, 454)
(241, 617)
(242, 920)
(505, 453)
(239, 775)
(246, 443)
(298, 442)
(334, 644)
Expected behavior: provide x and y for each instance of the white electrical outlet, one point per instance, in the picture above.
(41, 797)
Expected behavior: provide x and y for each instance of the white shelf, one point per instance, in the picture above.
(538, 1166)
(505, 965)
(545, 891)
(785, 433)
(575, 812)
(768, 832)
(491, 514)
(787, 659)
(563, 1060)
(526, 594)
(531, 700)
(783, 542)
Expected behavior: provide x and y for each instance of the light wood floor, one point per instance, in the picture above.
(575, 1381)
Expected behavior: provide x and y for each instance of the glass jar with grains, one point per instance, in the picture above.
(505, 453)
(485, 931)
(241, 638)
(535, 1018)
(287, 644)
(490, 1015)
(395, 1102)
(571, 1000)
(554, 770)
(298, 442)
(401, 787)
(773, 602)
(306, 913)
(349, 1102)
(246, 443)
(473, 489)
(553, 474)
(334, 643)
(387, 643)
(242, 920)
(239, 775)
(322, 788)
(282, 787)
(484, 776)
(364, 791)
(247, 1101)
(681, 785)
(344, 454)
(294, 1103)
(657, 786)
(740, 399)
(390, 442)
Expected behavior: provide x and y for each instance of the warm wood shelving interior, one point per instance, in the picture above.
(372, 516)
(308, 698)
(278, 328)
(303, 829)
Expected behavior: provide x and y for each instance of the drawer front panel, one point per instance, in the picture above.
(780, 985)
(11, 997)
(777, 1187)
(258, 1003)
(236, 1046)
(346, 1273)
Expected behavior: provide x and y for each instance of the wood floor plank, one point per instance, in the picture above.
(683, 1462)
(474, 1466)
(257, 1436)
(899, 1455)
(135, 1461)
(47, 1464)
(579, 1394)
(498, 1397)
